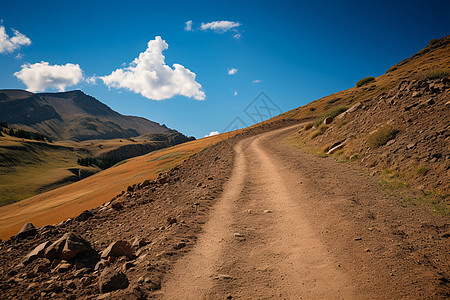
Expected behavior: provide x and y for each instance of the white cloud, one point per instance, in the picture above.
(19, 56)
(232, 71)
(42, 76)
(9, 44)
(220, 26)
(92, 80)
(212, 133)
(237, 36)
(235, 93)
(256, 81)
(149, 76)
(188, 26)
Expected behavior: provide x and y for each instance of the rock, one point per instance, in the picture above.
(171, 221)
(139, 242)
(179, 246)
(37, 252)
(144, 183)
(63, 267)
(104, 296)
(27, 230)
(85, 281)
(327, 120)
(336, 147)
(101, 264)
(410, 146)
(111, 280)
(127, 265)
(67, 247)
(84, 216)
(223, 276)
(266, 211)
(42, 268)
(119, 248)
(236, 234)
(416, 94)
(71, 284)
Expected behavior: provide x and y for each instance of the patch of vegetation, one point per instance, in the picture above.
(334, 112)
(383, 135)
(334, 100)
(321, 130)
(434, 74)
(23, 134)
(422, 170)
(308, 126)
(101, 162)
(312, 109)
(365, 81)
(438, 200)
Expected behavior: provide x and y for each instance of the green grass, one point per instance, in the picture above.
(383, 135)
(308, 126)
(333, 100)
(365, 81)
(422, 170)
(333, 112)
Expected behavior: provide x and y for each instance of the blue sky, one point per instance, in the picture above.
(298, 50)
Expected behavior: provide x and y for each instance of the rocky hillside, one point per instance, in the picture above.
(396, 125)
(71, 116)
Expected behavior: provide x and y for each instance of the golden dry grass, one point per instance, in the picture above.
(68, 201)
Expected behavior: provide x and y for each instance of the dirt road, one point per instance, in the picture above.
(290, 225)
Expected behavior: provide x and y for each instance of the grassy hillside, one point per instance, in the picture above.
(396, 125)
(68, 201)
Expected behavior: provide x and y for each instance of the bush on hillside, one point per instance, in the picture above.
(334, 112)
(365, 81)
(434, 74)
(383, 135)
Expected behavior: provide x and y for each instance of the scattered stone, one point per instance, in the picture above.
(63, 267)
(266, 211)
(111, 280)
(42, 268)
(37, 252)
(85, 281)
(101, 264)
(410, 146)
(223, 276)
(139, 242)
(84, 216)
(171, 221)
(127, 265)
(67, 247)
(357, 239)
(236, 234)
(71, 284)
(327, 120)
(179, 246)
(104, 296)
(27, 230)
(119, 248)
(366, 250)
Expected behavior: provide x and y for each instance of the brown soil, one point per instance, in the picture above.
(285, 225)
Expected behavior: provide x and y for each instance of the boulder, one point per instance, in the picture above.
(111, 280)
(118, 248)
(84, 216)
(67, 247)
(37, 252)
(139, 242)
(27, 230)
(327, 120)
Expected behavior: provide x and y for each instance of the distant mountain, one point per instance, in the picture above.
(71, 115)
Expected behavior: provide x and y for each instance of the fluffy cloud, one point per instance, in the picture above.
(256, 81)
(235, 93)
(149, 76)
(212, 133)
(232, 71)
(42, 76)
(237, 36)
(9, 44)
(188, 26)
(220, 26)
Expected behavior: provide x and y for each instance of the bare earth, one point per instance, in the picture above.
(293, 226)
(255, 218)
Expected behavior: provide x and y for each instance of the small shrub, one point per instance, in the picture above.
(312, 109)
(321, 130)
(434, 74)
(334, 112)
(308, 126)
(365, 81)
(383, 135)
(334, 100)
(422, 170)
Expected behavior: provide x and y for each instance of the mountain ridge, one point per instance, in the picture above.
(71, 115)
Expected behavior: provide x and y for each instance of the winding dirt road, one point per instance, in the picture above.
(290, 225)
